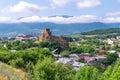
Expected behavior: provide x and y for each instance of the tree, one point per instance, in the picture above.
(107, 73)
(112, 72)
(41, 53)
(18, 63)
(51, 45)
(75, 50)
(87, 73)
(43, 44)
(64, 55)
(111, 58)
(48, 70)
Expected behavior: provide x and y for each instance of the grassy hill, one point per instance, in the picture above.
(103, 31)
(9, 73)
(100, 33)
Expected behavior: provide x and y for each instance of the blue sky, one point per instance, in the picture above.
(83, 11)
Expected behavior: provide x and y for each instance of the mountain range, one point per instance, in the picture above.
(12, 29)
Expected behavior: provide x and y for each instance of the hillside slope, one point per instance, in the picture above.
(9, 73)
(103, 31)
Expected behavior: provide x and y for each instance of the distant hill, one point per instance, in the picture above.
(58, 29)
(103, 31)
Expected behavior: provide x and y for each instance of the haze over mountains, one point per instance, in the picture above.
(13, 29)
(62, 17)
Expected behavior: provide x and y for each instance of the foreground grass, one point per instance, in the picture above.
(9, 73)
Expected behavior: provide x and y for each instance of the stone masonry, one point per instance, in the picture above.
(46, 36)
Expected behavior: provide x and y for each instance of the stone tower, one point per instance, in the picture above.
(45, 35)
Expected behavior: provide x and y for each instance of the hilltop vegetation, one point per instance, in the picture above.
(103, 31)
(97, 34)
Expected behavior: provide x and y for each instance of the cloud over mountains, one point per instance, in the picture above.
(61, 19)
(31, 12)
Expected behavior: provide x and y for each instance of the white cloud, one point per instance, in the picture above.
(23, 7)
(82, 19)
(7, 19)
(61, 20)
(29, 19)
(83, 4)
(113, 14)
(74, 19)
(59, 3)
(111, 20)
(58, 19)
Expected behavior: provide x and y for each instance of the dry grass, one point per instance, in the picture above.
(9, 73)
(3, 77)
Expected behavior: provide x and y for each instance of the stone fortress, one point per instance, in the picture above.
(46, 36)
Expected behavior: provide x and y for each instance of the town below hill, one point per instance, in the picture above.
(73, 57)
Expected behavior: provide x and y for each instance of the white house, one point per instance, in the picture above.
(74, 63)
(24, 38)
(74, 56)
(118, 37)
(112, 51)
(109, 41)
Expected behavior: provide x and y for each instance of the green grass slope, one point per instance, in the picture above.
(103, 31)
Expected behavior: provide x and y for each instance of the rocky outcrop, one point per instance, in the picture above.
(46, 36)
